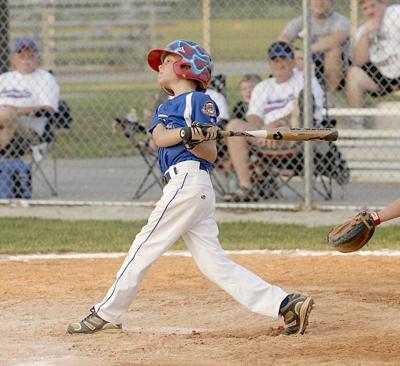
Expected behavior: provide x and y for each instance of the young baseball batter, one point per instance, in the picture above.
(187, 205)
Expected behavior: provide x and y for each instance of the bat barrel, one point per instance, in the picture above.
(302, 134)
(286, 134)
(333, 136)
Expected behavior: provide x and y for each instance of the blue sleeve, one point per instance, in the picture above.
(204, 109)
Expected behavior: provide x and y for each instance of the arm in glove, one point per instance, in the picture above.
(197, 133)
(354, 233)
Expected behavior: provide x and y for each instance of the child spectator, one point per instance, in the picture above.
(246, 85)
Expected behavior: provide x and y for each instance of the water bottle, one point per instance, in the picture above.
(132, 115)
(233, 183)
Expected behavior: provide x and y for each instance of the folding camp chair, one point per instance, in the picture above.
(137, 134)
(152, 177)
(23, 157)
(62, 119)
(273, 170)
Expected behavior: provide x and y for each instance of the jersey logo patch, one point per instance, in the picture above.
(209, 109)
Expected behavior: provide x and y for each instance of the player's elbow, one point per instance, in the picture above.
(206, 150)
(159, 141)
(164, 138)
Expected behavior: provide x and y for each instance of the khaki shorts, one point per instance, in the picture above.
(8, 125)
(28, 128)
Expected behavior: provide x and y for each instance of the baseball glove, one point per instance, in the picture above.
(354, 233)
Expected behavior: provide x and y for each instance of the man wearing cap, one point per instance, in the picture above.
(23, 92)
(273, 103)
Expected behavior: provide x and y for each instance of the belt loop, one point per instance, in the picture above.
(175, 170)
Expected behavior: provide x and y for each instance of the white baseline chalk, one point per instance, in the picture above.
(283, 252)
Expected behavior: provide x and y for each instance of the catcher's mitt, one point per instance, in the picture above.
(354, 233)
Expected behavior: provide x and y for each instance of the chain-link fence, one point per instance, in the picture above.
(58, 145)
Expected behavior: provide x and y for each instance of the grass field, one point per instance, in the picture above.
(33, 235)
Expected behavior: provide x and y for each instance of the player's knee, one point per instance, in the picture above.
(333, 54)
(236, 124)
(355, 72)
(8, 114)
(354, 76)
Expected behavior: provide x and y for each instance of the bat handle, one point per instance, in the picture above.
(222, 134)
(186, 133)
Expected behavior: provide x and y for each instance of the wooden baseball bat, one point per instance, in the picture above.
(286, 134)
(276, 134)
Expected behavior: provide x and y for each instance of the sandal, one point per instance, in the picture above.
(243, 194)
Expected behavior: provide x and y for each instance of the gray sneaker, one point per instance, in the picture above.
(92, 323)
(295, 313)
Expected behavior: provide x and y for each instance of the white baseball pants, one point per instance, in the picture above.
(186, 209)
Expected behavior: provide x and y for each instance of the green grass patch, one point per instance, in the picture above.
(232, 39)
(90, 135)
(33, 235)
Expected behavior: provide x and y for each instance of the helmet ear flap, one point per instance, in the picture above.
(200, 80)
(179, 69)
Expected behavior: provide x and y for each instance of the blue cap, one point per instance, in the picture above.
(25, 42)
(280, 49)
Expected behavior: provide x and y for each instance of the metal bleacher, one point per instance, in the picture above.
(372, 154)
(91, 36)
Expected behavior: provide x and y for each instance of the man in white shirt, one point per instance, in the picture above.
(23, 93)
(376, 54)
(273, 103)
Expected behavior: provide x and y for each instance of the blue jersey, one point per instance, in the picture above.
(180, 112)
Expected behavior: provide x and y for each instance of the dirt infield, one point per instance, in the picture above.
(179, 318)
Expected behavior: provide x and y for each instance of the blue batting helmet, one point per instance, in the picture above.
(192, 54)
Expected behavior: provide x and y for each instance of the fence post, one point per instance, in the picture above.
(48, 33)
(307, 105)
(152, 21)
(354, 17)
(4, 36)
(206, 25)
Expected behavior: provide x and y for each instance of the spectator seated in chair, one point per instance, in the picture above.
(246, 86)
(25, 95)
(272, 104)
(223, 164)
